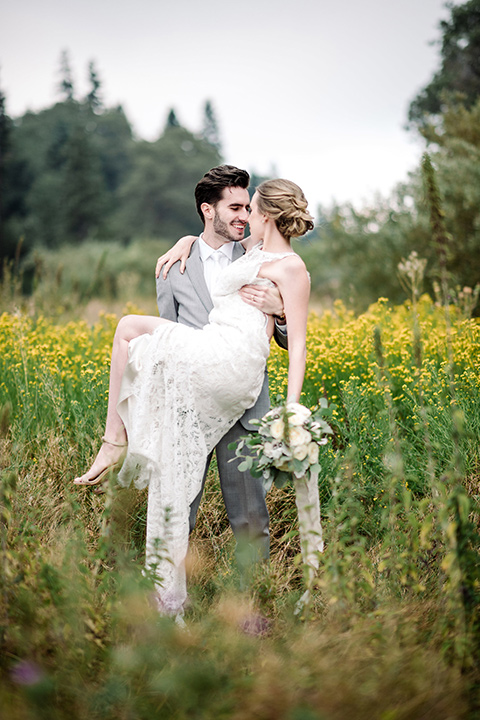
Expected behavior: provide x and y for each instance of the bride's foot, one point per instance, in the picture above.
(109, 459)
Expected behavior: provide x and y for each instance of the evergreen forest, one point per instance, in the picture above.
(77, 188)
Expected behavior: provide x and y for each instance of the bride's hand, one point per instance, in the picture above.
(264, 297)
(180, 251)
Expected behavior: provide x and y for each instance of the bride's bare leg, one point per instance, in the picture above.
(129, 327)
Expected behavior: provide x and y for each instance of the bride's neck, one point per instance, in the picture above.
(273, 240)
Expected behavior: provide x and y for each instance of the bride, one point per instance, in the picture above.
(175, 390)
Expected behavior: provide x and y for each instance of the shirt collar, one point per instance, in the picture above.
(206, 250)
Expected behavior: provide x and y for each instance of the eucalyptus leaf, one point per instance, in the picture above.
(246, 464)
(299, 466)
(267, 483)
(282, 478)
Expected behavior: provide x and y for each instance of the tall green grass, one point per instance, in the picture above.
(395, 626)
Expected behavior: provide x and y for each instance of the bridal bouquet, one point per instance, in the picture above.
(286, 443)
(286, 447)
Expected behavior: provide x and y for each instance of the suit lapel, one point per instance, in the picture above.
(238, 251)
(194, 270)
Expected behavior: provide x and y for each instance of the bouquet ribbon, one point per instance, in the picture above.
(310, 530)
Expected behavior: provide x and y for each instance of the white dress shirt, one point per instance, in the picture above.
(214, 261)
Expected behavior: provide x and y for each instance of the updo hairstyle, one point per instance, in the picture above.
(284, 202)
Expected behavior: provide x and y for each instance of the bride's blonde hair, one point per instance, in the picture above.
(284, 202)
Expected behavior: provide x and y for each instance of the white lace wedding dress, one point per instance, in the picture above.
(182, 390)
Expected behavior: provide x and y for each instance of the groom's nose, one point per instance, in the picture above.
(244, 215)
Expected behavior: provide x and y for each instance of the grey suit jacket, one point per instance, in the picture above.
(185, 299)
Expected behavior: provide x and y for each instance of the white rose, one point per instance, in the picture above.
(300, 452)
(268, 449)
(300, 413)
(277, 428)
(273, 450)
(299, 436)
(281, 465)
(313, 453)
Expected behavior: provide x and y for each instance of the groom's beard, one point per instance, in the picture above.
(221, 228)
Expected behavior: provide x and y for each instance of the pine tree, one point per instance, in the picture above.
(172, 120)
(459, 74)
(210, 131)
(93, 97)
(66, 83)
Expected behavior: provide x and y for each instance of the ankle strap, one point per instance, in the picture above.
(114, 443)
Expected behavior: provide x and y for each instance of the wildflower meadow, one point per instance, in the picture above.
(394, 627)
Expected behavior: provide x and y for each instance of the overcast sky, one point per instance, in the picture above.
(313, 90)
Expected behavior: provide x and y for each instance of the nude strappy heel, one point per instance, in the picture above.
(110, 442)
(109, 469)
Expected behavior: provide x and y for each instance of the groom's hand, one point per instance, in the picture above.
(265, 298)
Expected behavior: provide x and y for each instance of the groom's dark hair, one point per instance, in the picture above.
(209, 189)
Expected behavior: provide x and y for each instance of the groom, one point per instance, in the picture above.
(223, 204)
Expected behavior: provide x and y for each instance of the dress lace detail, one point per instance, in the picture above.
(182, 390)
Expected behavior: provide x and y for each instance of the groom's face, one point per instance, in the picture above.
(230, 214)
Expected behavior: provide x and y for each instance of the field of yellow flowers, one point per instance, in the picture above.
(55, 377)
(395, 630)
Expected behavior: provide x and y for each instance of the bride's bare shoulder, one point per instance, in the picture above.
(286, 269)
(292, 264)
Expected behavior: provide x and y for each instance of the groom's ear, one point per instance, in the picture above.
(207, 210)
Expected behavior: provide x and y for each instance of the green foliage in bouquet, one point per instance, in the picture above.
(286, 444)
